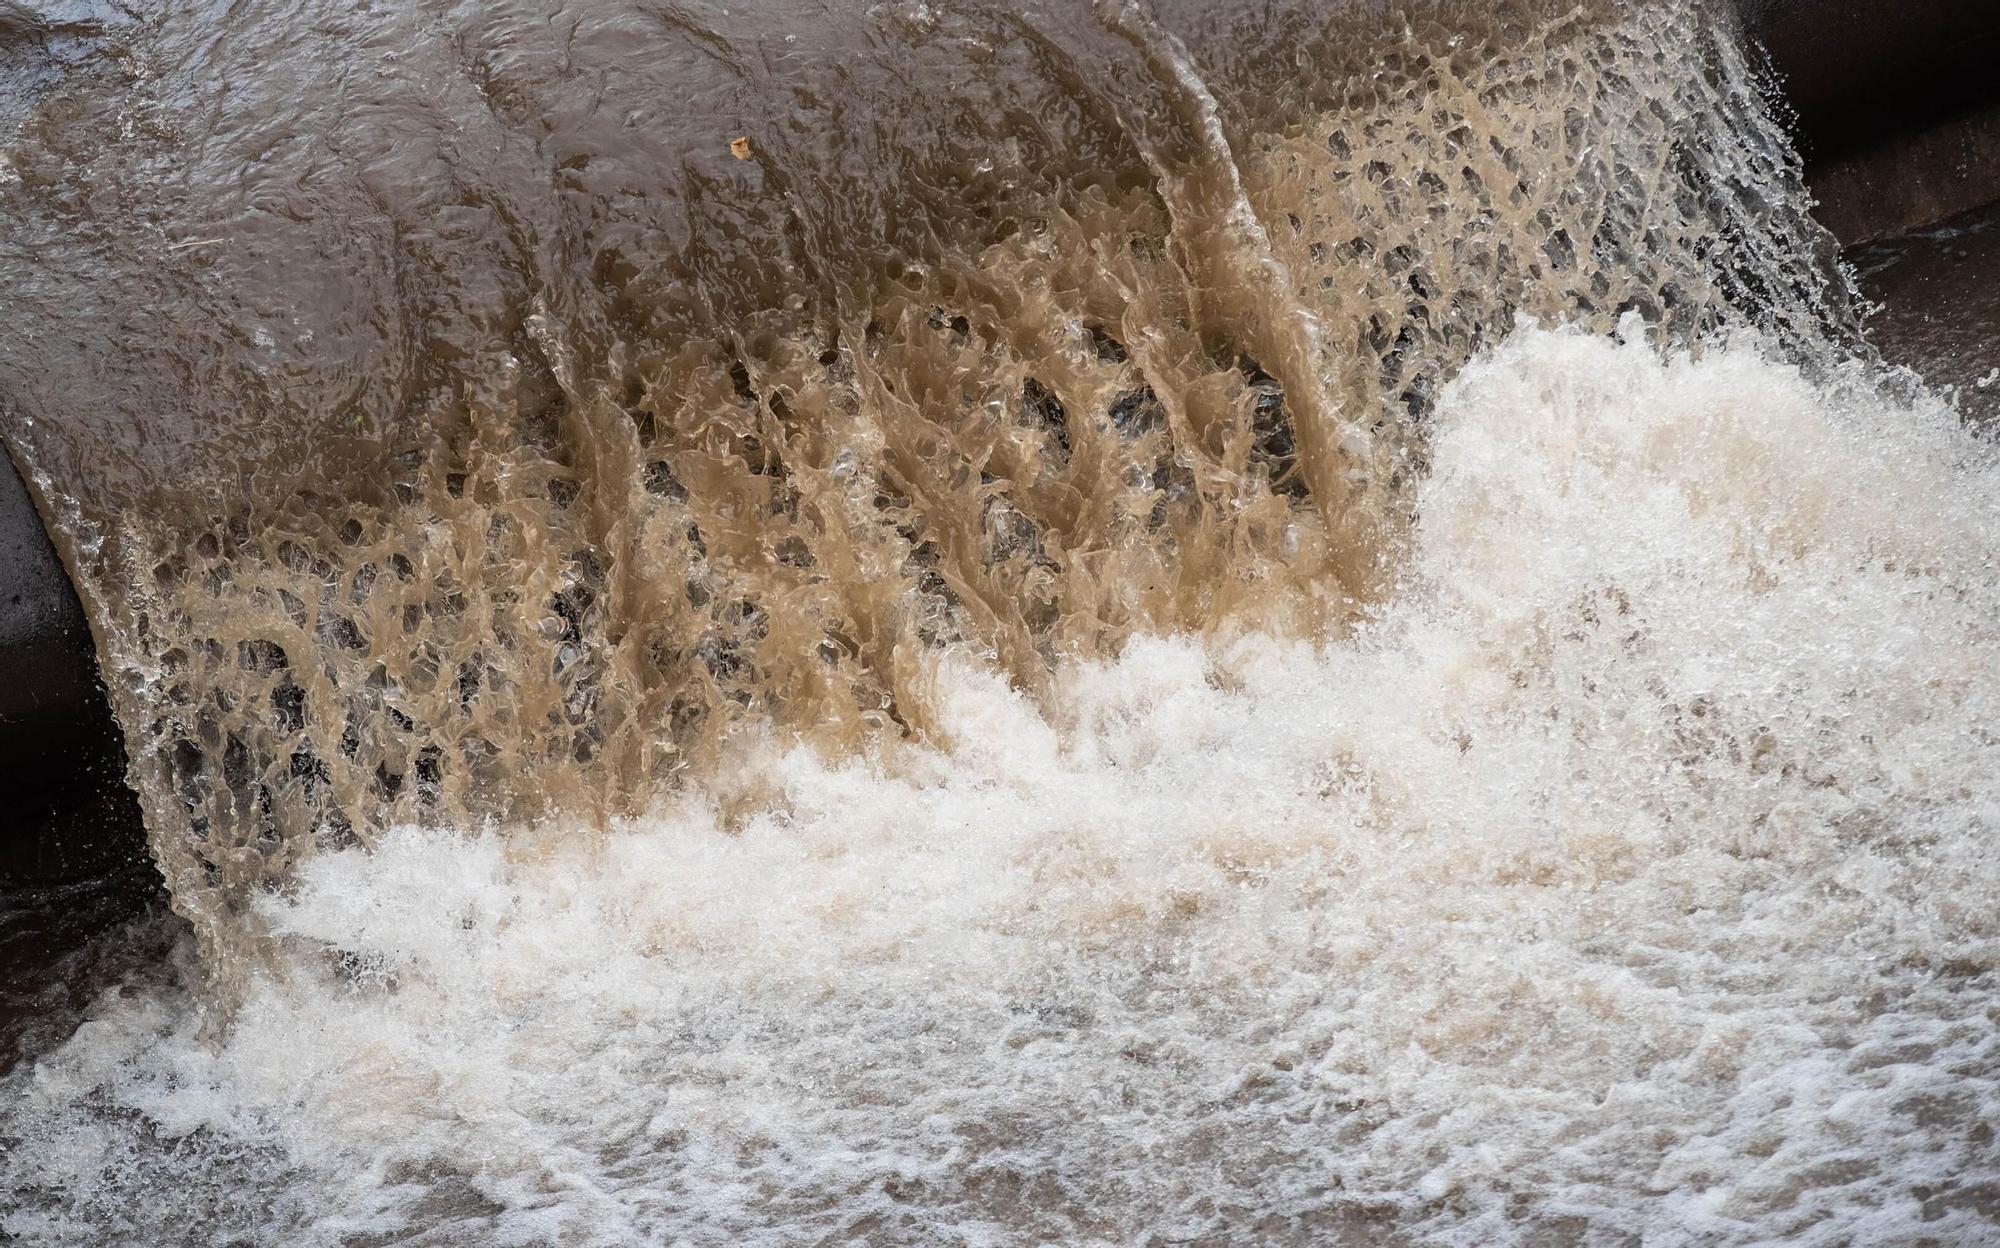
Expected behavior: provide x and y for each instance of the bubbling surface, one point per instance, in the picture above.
(1629, 874)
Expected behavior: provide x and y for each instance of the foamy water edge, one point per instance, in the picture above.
(1631, 874)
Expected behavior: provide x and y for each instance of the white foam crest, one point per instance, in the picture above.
(1633, 874)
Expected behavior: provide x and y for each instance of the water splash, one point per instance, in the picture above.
(1347, 661)
(1188, 391)
(1629, 873)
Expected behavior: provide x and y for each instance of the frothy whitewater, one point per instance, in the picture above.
(1629, 877)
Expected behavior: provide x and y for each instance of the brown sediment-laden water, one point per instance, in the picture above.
(904, 622)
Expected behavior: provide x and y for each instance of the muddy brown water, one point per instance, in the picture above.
(1932, 294)
(60, 945)
(1936, 297)
(458, 411)
(513, 417)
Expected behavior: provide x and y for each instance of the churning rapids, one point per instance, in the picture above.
(1113, 628)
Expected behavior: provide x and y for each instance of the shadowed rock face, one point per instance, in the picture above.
(1897, 116)
(1858, 72)
(1937, 297)
(61, 759)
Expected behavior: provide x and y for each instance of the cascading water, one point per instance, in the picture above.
(1001, 626)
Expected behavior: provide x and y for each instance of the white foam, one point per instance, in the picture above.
(1633, 874)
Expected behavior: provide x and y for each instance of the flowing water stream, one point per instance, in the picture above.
(907, 623)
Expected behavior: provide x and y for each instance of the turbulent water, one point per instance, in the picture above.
(1050, 626)
(503, 438)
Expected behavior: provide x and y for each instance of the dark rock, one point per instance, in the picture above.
(68, 812)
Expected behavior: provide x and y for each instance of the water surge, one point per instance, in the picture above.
(1332, 638)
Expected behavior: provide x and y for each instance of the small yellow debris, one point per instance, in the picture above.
(740, 148)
